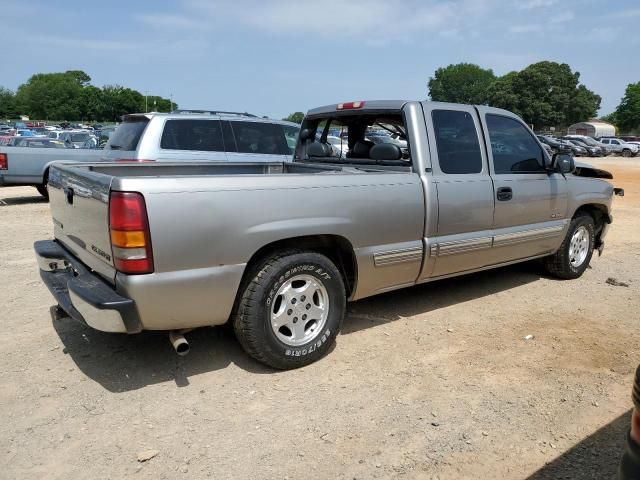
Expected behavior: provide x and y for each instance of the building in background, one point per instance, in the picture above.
(592, 128)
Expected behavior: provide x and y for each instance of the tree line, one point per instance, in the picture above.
(70, 96)
(545, 94)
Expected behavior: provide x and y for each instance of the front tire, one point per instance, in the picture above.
(291, 309)
(574, 255)
(626, 153)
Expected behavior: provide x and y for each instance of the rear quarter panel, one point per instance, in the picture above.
(204, 226)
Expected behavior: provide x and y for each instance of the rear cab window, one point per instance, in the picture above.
(361, 138)
(127, 134)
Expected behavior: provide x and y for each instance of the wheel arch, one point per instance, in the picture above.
(600, 214)
(335, 247)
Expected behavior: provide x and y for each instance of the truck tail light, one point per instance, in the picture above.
(4, 161)
(129, 229)
(350, 105)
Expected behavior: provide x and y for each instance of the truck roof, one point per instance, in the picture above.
(376, 105)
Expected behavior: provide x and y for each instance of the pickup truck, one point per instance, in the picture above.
(277, 249)
(30, 166)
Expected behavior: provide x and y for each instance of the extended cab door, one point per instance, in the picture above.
(464, 189)
(531, 202)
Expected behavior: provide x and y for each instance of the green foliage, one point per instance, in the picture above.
(545, 94)
(627, 115)
(461, 83)
(70, 96)
(7, 104)
(295, 117)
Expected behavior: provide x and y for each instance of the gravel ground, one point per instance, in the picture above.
(435, 381)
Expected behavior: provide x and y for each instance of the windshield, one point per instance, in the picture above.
(79, 137)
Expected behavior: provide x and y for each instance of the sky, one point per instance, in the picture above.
(279, 56)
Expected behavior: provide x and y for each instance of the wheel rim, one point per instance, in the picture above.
(579, 247)
(299, 310)
(626, 153)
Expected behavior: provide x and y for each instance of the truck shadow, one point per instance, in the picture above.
(595, 457)
(432, 296)
(12, 201)
(129, 362)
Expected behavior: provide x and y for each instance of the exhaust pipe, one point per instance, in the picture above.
(179, 343)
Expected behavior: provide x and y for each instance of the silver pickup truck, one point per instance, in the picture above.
(279, 248)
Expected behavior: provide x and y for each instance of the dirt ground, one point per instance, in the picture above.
(435, 381)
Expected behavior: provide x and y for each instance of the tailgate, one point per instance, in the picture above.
(79, 200)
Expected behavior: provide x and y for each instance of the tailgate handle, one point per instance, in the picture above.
(68, 193)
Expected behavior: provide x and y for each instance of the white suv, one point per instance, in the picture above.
(199, 135)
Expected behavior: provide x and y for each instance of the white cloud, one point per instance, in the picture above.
(175, 21)
(563, 17)
(531, 4)
(529, 28)
(375, 20)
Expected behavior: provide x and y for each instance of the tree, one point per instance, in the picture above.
(627, 115)
(461, 83)
(7, 103)
(119, 101)
(52, 95)
(545, 94)
(295, 117)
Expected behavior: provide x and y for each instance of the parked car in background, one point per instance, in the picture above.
(556, 145)
(581, 149)
(24, 133)
(278, 248)
(198, 135)
(592, 142)
(339, 144)
(595, 149)
(75, 138)
(620, 146)
(5, 139)
(36, 142)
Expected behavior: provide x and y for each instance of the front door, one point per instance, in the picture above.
(464, 189)
(531, 203)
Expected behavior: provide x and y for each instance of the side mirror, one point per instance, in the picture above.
(563, 163)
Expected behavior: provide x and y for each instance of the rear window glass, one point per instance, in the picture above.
(457, 142)
(201, 135)
(127, 135)
(258, 137)
(79, 137)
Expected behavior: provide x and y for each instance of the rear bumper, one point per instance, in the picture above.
(82, 294)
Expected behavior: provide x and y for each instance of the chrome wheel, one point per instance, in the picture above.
(299, 310)
(579, 247)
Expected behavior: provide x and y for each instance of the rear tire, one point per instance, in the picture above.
(574, 255)
(291, 309)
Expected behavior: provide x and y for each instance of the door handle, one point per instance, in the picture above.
(504, 194)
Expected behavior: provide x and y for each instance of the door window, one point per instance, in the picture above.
(201, 135)
(259, 137)
(457, 142)
(514, 148)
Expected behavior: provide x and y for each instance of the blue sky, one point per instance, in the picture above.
(275, 57)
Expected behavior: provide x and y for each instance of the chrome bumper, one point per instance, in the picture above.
(82, 294)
